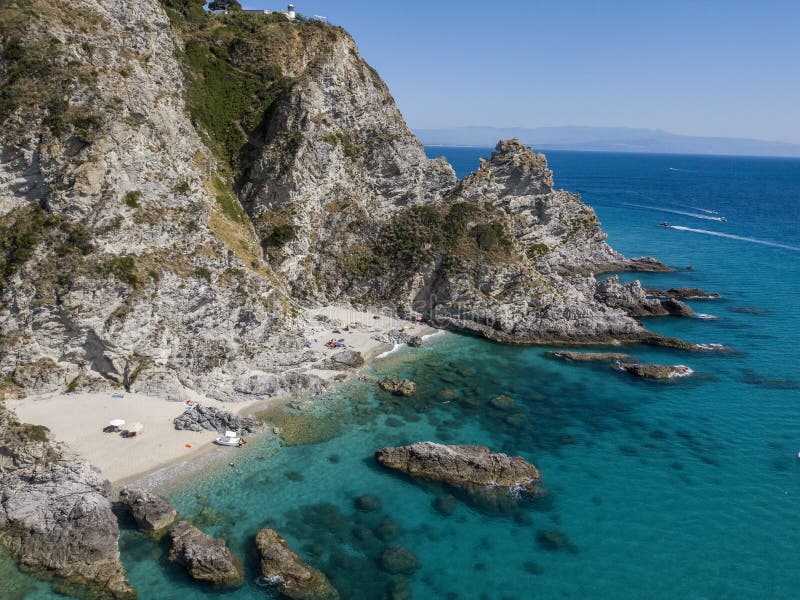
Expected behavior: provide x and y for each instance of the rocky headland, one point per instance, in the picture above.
(179, 192)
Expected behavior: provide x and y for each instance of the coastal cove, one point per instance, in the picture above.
(684, 488)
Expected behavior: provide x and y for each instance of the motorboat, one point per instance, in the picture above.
(231, 438)
(723, 219)
(665, 224)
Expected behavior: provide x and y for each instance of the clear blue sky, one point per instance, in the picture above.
(723, 67)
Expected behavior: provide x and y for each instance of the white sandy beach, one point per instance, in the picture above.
(78, 418)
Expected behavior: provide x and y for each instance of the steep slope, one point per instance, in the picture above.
(176, 188)
(126, 256)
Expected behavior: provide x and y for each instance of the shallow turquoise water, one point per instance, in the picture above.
(688, 489)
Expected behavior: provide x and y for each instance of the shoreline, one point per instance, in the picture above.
(160, 454)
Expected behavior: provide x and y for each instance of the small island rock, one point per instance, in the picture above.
(151, 511)
(287, 572)
(462, 465)
(654, 371)
(572, 356)
(205, 558)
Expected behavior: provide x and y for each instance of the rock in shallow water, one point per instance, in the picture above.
(462, 466)
(396, 559)
(398, 387)
(588, 356)
(287, 572)
(151, 511)
(660, 372)
(205, 558)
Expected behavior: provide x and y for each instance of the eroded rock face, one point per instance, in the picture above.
(151, 511)
(199, 417)
(654, 371)
(462, 466)
(682, 293)
(205, 558)
(55, 513)
(398, 387)
(287, 572)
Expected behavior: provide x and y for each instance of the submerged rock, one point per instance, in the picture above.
(502, 402)
(555, 540)
(462, 466)
(445, 505)
(205, 558)
(398, 387)
(368, 503)
(151, 511)
(199, 417)
(654, 371)
(396, 559)
(588, 356)
(287, 572)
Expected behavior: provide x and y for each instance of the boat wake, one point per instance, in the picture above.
(677, 212)
(736, 237)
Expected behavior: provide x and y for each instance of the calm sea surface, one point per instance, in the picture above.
(686, 489)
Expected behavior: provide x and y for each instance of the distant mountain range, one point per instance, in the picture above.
(606, 139)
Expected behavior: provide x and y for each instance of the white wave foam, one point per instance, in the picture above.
(430, 335)
(710, 346)
(736, 237)
(705, 316)
(675, 212)
(392, 351)
(685, 373)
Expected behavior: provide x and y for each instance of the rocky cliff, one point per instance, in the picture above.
(176, 189)
(55, 514)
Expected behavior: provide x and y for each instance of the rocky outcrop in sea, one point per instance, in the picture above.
(398, 387)
(462, 466)
(205, 558)
(661, 372)
(151, 511)
(285, 571)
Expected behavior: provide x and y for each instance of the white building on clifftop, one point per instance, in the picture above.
(288, 13)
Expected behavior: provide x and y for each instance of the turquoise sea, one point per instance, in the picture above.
(685, 489)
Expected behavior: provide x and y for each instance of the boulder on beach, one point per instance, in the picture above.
(287, 572)
(151, 511)
(341, 361)
(660, 372)
(198, 417)
(462, 466)
(205, 558)
(398, 387)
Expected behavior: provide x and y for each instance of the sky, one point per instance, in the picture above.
(704, 67)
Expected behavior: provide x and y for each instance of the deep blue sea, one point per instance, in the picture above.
(684, 489)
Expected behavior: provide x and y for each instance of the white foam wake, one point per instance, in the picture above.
(675, 212)
(736, 237)
(704, 316)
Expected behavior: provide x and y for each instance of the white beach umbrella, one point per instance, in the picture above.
(117, 422)
(136, 427)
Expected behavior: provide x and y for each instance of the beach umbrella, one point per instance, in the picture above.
(136, 427)
(117, 422)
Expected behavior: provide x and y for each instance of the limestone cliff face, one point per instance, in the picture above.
(176, 189)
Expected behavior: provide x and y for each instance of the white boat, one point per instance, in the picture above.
(231, 438)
